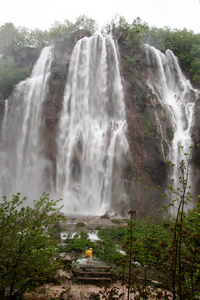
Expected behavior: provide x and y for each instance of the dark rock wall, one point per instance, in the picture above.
(26, 57)
(148, 162)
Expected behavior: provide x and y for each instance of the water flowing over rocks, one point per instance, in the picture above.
(135, 136)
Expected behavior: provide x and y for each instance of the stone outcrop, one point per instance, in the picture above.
(26, 57)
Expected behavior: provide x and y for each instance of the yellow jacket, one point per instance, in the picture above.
(89, 252)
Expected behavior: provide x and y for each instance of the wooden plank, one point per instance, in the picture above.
(92, 273)
(95, 267)
(93, 278)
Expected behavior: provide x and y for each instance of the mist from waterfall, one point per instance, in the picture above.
(176, 94)
(22, 161)
(92, 145)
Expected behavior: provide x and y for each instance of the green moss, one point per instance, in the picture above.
(149, 124)
(80, 224)
(105, 217)
(116, 221)
(170, 133)
(149, 128)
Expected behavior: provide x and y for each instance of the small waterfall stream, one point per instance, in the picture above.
(175, 93)
(22, 161)
(91, 141)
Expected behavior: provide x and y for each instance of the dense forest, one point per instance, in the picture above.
(184, 44)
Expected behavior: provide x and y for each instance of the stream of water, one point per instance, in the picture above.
(22, 160)
(176, 94)
(91, 138)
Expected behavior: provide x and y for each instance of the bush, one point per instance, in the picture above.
(116, 221)
(77, 245)
(26, 245)
(80, 224)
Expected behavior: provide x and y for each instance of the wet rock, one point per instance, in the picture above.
(111, 213)
(66, 295)
(87, 295)
(26, 57)
(63, 275)
(66, 259)
(93, 296)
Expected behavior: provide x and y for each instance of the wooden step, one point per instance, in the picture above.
(92, 273)
(95, 267)
(94, 278)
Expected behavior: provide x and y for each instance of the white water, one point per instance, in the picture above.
(22, 162)
(91, 138)
(92, 236)
(175, 93)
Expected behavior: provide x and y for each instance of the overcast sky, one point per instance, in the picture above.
(42, 13)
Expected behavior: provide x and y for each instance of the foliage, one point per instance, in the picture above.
(80, 224)
(178, 269)
(170, 133)
(10, 39)
(62, 31)
(114, 234)
(116, 221)
(14, 38)
(168, 252)
(178, 254)
(105, 217)
(106, 250)
(184, 44)
(10, 75)
(147, 238)
(26, 246)
(77, 245)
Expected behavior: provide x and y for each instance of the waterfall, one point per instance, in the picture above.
(176, 95)
(92, 145)
(22, 160)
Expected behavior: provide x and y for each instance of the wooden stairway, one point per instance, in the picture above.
(93, 273)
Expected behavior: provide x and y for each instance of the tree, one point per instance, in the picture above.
(8, 34)
(26, 245)
(177, 271)
(184, 44)
(85, 23)
(39, 38)
(10, 75)
(60, 31)
(173, 254)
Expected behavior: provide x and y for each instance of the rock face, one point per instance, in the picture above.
(26, 57)
(147, 159)
(148, 155)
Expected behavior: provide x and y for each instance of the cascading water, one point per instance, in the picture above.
(92, 145)
(175, 93)
(22, 161)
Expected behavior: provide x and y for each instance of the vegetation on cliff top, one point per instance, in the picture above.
(185, 44)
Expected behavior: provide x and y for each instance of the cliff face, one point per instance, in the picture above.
(151, 132)
(148, 162)
(148, 149)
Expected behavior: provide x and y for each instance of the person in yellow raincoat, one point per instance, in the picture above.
(88, 254)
